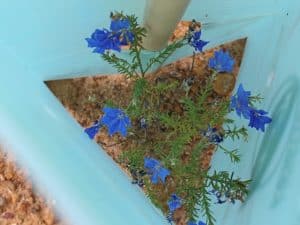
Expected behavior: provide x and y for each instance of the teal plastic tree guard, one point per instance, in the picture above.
(42, 40)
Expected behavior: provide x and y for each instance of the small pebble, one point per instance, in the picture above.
(2, 201)
(8, 215)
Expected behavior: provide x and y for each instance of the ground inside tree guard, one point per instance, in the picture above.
(85, 98)
(20, 203)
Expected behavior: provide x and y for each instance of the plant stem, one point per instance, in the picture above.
(138, 57)
(193, 62)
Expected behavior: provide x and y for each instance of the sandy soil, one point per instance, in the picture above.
(20, 204)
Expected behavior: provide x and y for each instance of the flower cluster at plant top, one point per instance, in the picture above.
(124, 30)
(241, 103)
(194, 37)
(118, 35)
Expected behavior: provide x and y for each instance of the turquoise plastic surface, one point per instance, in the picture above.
(42, 40)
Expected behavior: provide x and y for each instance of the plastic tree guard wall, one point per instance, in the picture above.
(41, 40)
(160, 20)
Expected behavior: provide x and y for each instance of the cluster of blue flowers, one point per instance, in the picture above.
(118, 35)
(114, 119)
(223, 62)
(240, 103)
(158, 172)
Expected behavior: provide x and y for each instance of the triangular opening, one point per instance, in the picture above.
(85, 98)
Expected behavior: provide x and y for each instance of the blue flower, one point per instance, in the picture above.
(195, 223)
(174, 203)
(155, 169)
(93, 130)
(221, 62)
(221, 198)
(213, 135)
(103, 40)
(196, 42)
(122, 28)
(191, 223)
(117, 25)
(240, 102)
(169, 218)
(258, 119)
(143, 123)
(116, 121)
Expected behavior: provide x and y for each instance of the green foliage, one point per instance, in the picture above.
(165, 54)
(169, 121)
(122, 65)
(134, 158)
(236, 133)
(110, 103)
(255, 99)
(205, 205)
(224, 182)
(177, 145)
(139, 87)
(162, 87)
(233, 154)
(136, 47)
(138, 31)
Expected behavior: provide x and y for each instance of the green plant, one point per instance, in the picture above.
(168, 143)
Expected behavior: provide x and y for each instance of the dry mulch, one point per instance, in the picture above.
(20, 204)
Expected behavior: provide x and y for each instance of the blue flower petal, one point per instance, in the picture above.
(155, 169)
(154, 178)
(174, 203)
(191, 223)
(240, 102)
(196, 42)
(150, 163)
(243, 96)
(258, 119)
(163, 173)
(103, 40)
(194, 223)
(93, 130)
(116, 121)
(113, 127)
(221, 62)
(123, 128)
(119, 24)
